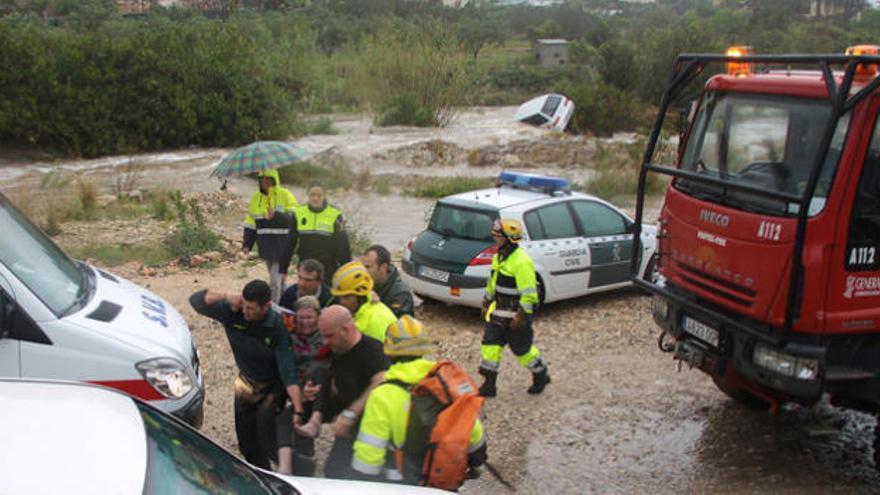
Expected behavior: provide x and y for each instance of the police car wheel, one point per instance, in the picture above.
(651, 274)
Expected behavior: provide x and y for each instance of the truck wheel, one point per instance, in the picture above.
(741, 396)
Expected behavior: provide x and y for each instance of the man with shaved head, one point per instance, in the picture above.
(358, 364)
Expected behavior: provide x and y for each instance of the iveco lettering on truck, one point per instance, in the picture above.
(66, 320)
(768, 236)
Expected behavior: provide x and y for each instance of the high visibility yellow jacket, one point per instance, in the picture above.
(512, 284)
(373, 319)
(270, 235)
(383, 426)
(320, 234)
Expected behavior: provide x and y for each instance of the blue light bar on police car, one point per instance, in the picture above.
(541, 183)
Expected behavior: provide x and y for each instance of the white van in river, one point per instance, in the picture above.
(62, 319)
(551, 111)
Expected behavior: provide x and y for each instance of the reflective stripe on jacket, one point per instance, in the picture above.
(373, 319)
(383, 426)
(512, 284)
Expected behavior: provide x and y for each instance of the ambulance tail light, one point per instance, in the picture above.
(484, 257)
(864, 71)
(739, 69)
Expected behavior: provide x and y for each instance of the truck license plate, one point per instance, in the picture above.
(434, 274)
(701, 331)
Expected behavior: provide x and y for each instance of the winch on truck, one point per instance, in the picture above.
(767, 244)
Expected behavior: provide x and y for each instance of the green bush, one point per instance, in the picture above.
(127, 85)
(603, 109)
(405, 109)
(191, 236)
(412, 72)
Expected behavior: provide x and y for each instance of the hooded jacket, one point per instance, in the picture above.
(396, 294)
(270, 234)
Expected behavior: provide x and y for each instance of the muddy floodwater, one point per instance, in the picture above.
(619, 417)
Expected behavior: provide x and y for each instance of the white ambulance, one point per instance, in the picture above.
(63, 319)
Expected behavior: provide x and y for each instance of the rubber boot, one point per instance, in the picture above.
(487, 389)
(539, 381)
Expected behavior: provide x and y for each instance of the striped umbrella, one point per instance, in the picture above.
(257, 156)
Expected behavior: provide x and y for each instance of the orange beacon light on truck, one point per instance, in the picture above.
(739, 69)
(864, 70)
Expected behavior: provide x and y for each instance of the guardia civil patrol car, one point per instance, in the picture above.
(580, 244)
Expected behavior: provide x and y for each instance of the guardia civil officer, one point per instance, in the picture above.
(318, 232)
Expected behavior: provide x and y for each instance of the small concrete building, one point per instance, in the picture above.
(551, 52)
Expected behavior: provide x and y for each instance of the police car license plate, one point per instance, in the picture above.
(701, 331)
(434, 274)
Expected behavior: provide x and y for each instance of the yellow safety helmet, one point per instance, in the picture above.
(352, 278)
(407, 337)
(510, 228)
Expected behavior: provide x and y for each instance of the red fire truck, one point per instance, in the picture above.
(769, 235)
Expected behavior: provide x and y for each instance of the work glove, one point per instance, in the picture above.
(519, 321)
(485, 308)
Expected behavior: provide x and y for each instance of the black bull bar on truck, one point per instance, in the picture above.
(688, 66)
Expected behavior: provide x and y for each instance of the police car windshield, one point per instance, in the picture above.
(37, 262)
(457, 221)
(769, 142)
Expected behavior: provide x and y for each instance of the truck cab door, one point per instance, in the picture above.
(854, 291)
(10, 346)
(609, 239)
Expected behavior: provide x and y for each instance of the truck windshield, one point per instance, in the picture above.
(769, 142)
(454, 221)
(37, 262)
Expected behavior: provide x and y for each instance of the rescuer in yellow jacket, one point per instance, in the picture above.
(268, 222)
(319, 232)
(508, 310)
(353, 288)
(386, 415)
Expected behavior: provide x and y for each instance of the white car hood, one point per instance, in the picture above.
(143, 319)
(324, 486)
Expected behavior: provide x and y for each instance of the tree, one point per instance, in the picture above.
(478, 28)
(547, 29)
(618, 65)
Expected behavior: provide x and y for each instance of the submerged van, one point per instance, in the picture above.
(550, 111)
(63, 319)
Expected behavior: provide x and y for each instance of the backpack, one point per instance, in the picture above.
(443, 409)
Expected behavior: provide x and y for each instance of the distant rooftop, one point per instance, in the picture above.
(552, 41)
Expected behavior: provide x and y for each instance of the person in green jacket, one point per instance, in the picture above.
(353, 288)
(386, 414)
(508, 310)
(267, 223)
(392, 290)
(319, 232)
